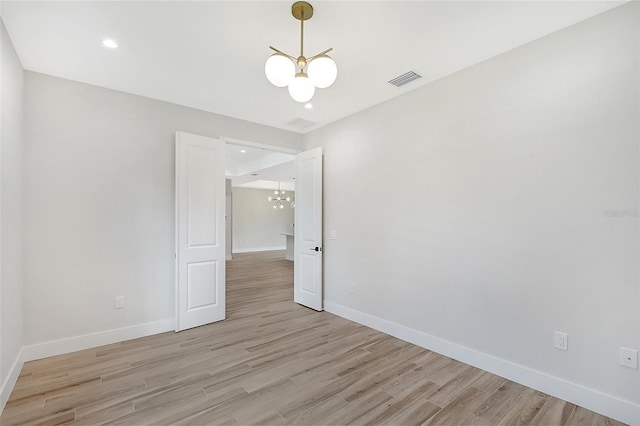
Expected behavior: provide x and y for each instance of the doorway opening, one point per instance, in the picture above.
(260, 198)
(204, 212)
(260, 219)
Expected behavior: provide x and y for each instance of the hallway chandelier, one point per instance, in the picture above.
(321, 70)
(279, 198)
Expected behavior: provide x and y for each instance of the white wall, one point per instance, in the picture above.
(11, 160)
(476, 210)
(256, 224)
(99, 205)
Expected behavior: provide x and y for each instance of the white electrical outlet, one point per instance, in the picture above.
(629, 357)
(352, 288)
(561, 340)
(119, 302)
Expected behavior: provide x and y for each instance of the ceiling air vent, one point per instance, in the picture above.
(405, 78)
(301, 123)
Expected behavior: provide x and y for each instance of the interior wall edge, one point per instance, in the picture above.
(605, 404)
(12, 378)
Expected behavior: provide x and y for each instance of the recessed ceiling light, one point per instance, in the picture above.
(111, 44)
(243, 151)
(308, 105)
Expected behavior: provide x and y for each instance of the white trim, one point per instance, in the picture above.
(605, 404)
(259, 145)
(92, 340)
(229, 257)
(12, 378)
(252, 249)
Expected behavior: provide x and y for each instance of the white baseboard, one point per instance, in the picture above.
(229, 257)
(607, 405)
(92, 340)
(249, 250)
(12, 378)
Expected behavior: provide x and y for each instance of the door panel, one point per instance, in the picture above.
(308, 235)
(200, 230)
(199, 277)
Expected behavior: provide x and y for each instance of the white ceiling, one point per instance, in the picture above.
(255, 167)
(210, 54)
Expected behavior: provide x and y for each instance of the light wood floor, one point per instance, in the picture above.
(274, 362)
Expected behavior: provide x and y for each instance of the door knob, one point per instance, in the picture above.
(316, 249)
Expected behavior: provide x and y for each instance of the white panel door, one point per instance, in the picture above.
(308, 234)
(200, 230)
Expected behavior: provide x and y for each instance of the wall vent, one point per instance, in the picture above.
(405, 78)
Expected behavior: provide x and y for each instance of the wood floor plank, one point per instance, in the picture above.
(317, 413)
(454, 387)
(274, 362)
(498, 404)
(418, 414)
(353, 413)
(554, 412)
(488, 382)
(582, 416)
(371, 383)
(460, 408)
(395, 408)
(525, 409)
(104, 414)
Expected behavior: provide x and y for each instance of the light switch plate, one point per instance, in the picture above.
(333, 235)
(629, 358)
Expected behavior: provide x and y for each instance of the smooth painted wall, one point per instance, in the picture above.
(11, 165)
(497, 205)
(99, 203)
(256, 224)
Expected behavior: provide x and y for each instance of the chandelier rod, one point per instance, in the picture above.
(282, 53)
(302, 35)
(320, 54)
(295, 59)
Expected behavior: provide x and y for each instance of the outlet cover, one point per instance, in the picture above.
(561, 340)
(629, 358)
(119, 302)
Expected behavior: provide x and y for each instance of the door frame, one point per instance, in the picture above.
(237, 142)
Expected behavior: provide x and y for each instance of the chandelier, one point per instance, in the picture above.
(321, 70)
(279, 198)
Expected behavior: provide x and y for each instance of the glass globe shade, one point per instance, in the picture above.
(275, 207)
(301, 88)
(281, 206)
(280, 70)
(322, 71)
(269, 198)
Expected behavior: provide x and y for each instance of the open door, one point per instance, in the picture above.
(200, 230)
(307, 275)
